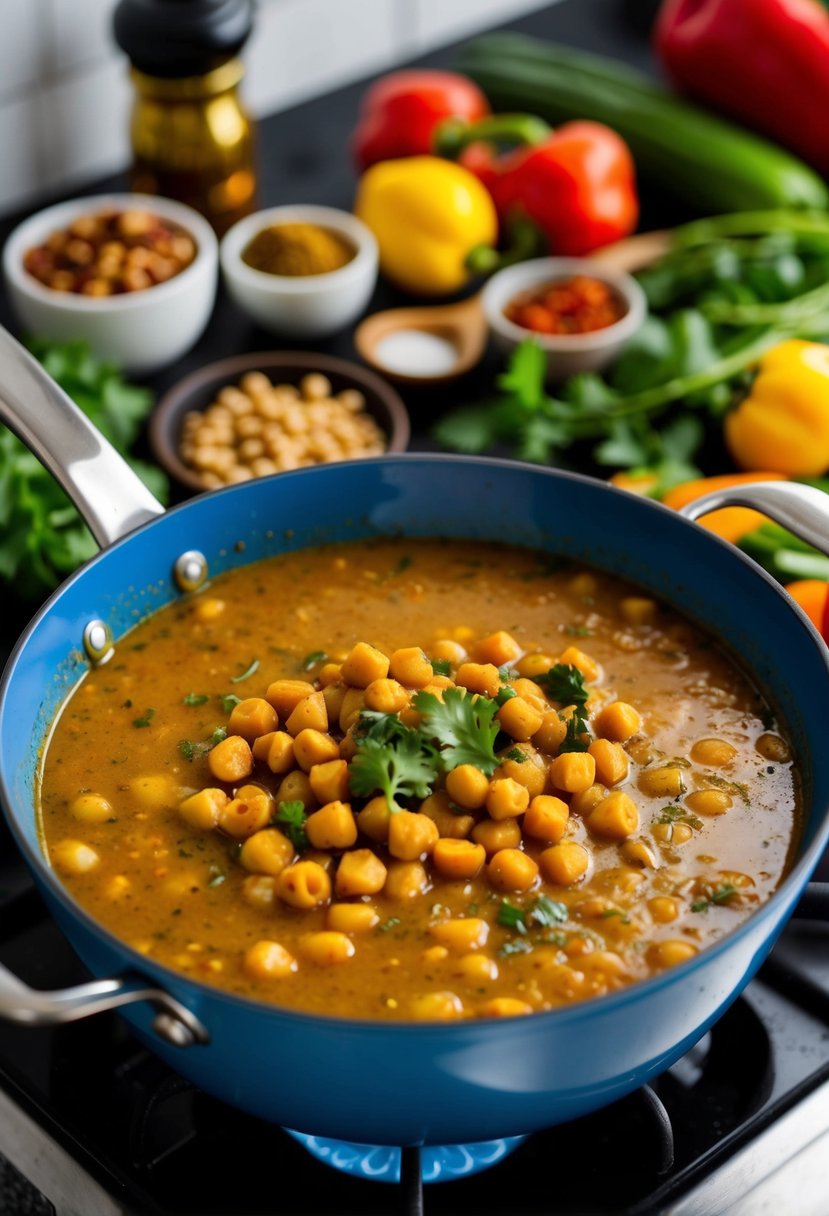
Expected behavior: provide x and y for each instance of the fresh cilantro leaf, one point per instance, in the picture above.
(517, 755)
(564, 683)
(512, 917)
(195, 698)
(574, 740)
(441, 667)
(389, 924)
(145, 719)
(518, 945)
(719, 895)
(292, 816)
(228, 700)
(217, 736)
(463, 726)
(676, 813)
(247, 673)
(313, 659)
(391, 759)
(188, 749)
(504, 694)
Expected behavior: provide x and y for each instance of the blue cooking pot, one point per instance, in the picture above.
(390, 1083)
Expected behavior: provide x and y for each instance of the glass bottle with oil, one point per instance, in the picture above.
(192, 139)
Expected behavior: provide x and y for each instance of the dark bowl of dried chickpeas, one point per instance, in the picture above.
(259, 414)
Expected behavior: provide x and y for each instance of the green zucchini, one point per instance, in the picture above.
(712, 164)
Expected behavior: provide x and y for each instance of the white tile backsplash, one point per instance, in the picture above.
(304, 47)
(83, 123)
(83, 33)
(65, 94)
(440, 21)
(24, 48)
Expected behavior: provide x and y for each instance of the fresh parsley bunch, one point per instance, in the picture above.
(42, 537)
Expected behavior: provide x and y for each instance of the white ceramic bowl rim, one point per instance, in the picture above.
(237, 238)
(36, 227)
(512, 280)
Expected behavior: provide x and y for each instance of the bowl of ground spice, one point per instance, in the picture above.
(300, 271)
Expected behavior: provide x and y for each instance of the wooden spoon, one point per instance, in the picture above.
(462, 324)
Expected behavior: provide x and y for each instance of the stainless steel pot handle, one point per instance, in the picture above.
(20, 1003)
(802, 509)
(109, 495)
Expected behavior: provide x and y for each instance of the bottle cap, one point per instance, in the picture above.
(174, 39)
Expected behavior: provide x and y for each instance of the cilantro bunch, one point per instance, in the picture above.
(728, 290)
(400, 761)
(42, 537)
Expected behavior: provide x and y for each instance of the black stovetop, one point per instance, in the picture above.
(150, 1143)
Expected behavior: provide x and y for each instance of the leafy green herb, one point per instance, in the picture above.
(189, 749)
(42, 537)
(313, 659)
(217, 736)
(251, 670)
(565, 683)
(517, 755)
(512, 917)
(441, 667)
(506, 673)
(730, 787)
(676, 813)
(504, 694)
(216, 880)
(463, 726)
(292, 816)
(195, 698)
(228, 700)
(720, 895)
(389, 924)
(145, 719)
(391, 759)
(578, 631)
(546, 911)
(401, 566)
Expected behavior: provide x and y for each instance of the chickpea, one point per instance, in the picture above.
(91, 808)
(512, 870)
(327, 948)
(269, 961)
(437, 1007)
(304, 885)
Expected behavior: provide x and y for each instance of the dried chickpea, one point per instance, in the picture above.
(243, 816)
(351, 918)
(498, 648)
(285, 695)
(373, 820)
(615, 818)
(365, 664)
(314, 747)
(482, 678)
(387, 696)
(310, 713)
(611, 761)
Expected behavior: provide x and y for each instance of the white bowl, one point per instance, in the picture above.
(141, 331)
(301, 306)
(566, 353)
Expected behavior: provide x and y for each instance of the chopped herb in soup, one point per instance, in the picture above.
(418, 780)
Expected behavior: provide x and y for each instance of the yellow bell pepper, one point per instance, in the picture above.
(783, 423)
(427, 215)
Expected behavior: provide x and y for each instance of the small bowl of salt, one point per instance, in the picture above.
(427, 345)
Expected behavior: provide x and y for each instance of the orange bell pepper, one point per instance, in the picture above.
(731, 523)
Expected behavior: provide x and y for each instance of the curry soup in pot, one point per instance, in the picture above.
(418, 780)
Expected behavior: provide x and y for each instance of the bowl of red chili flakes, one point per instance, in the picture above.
(133, 275)
(580, 313)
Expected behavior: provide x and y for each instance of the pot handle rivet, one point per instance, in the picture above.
(97, 642)
(173, 1030)
(190, 570)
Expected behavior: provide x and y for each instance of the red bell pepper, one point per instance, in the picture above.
(399, 114)
(764, 61)
(576, 184)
